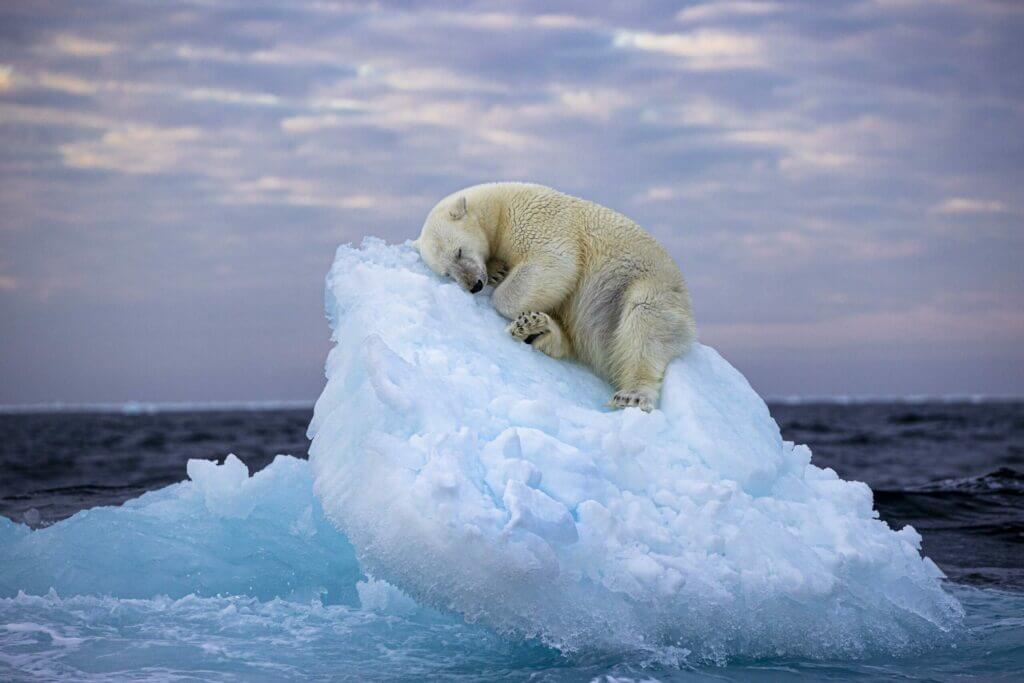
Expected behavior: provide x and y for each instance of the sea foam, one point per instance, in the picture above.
(484, 478)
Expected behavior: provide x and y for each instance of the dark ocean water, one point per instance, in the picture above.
(955, 471)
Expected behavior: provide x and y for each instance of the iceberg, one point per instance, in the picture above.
(483, 478)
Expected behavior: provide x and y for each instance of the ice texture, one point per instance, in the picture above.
(221, 533)
(224, 577)
(484, 478)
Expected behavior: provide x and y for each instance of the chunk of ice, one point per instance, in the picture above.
(223, 533)
(480, 476)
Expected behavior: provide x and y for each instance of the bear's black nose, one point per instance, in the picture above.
(477, 287)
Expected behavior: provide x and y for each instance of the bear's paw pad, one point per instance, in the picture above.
(528, 326)
(632, 399)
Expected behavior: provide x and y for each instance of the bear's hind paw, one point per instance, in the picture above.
(632, 399)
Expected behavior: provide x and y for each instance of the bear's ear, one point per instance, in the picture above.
(459, 211)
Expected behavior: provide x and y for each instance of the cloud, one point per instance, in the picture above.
(6, 77)
(77, 46)
(510, 139)
(282, 54)
(983, 7)
(232, 97)
(42, 116)
(430, 79)
(920, 325)
(562, 21)
(312, 124)
(659, 193)
(505, 21)
(74, 85)
(65, 83)
(959, 205)
(307, 192)
(597, 103)
(803, 143)
(815, 149)
(704, 50)
(809, 240)
(467, 120)
(684, 191)
(135, 149)
(722, 11)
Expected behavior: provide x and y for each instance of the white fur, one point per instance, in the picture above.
(577, 279)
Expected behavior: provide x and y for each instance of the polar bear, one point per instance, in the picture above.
(577, 280)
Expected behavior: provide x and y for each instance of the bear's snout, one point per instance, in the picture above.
(477, 287)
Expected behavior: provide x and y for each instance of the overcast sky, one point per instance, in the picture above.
(840, 181)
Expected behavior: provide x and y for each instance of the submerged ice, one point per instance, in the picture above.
(484, 478)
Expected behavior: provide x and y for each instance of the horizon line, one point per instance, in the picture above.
(152, 407)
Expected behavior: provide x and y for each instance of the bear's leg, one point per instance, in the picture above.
(655, 327)
(540, 284)
(542, 332)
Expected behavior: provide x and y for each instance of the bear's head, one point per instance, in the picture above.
(454, 244)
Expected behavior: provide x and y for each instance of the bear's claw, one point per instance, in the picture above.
(497, 271)
(632, 399)
(528, 326)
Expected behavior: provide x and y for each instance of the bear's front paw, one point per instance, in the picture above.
(528, 326)
(497, 271)
(632, 399)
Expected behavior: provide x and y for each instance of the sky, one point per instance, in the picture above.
(840, 182)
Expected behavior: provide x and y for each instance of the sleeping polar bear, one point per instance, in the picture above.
(576, 279)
